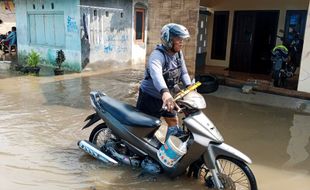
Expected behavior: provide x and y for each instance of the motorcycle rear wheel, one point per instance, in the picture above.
(234, 174)
(99, 135)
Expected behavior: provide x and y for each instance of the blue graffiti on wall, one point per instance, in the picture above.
(108, 48)
(116, 43)
(71, 25)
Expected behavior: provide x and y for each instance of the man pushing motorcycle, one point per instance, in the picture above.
(125, 135)
(164, 70)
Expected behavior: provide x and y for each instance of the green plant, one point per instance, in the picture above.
(60, 58)
(33, 59)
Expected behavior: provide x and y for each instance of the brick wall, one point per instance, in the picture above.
(183, 12)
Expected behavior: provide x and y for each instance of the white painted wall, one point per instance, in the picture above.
(109, 30)
(139, 49)
(304, 74)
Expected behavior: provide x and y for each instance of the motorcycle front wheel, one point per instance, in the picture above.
(234, 175)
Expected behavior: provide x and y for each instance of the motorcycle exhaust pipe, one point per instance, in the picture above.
(148, 165)
(131, 161)
(91, 149)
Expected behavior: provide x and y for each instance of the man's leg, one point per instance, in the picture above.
(172, 121)
(148, 104)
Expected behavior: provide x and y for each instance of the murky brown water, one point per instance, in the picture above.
(41, 118)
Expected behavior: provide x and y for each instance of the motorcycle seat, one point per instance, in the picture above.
(128, 114)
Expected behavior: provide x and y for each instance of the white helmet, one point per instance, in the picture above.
(172, 30)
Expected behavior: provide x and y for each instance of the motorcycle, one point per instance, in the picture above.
(126, 136)
(286, 59)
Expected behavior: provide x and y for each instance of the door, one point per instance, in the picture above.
(264, 41)
(242, 42)
(254, 36)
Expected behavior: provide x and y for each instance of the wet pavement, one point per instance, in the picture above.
(41, 118)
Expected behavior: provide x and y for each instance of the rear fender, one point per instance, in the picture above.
(93, 118)
(215, 150)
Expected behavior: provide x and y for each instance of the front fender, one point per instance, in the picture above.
(215, 150)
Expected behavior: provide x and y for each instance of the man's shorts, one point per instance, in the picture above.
(152, 106)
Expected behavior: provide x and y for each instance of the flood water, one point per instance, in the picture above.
(41, 119)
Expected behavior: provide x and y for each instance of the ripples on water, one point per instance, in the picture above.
(41, 118)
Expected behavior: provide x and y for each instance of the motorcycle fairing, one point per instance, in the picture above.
(214, 150)
(134, 135)
(202, 129)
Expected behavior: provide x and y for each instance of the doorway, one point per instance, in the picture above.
(254, 36)
(201, 51)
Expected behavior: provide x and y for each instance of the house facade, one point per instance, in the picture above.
(185, 12)
(236, 35)
(243, 33)
(87, 31)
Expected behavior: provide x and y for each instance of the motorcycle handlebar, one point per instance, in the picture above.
(186, 91)
(180, 95)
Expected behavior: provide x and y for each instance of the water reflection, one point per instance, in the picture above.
(253, 127)
(74, 92)
(299, 141)
(70, 93)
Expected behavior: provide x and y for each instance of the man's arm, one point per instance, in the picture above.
(184, 73)
(156, 62)
(155, 66)
(9, 37)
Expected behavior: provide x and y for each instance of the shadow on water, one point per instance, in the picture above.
(299, 143)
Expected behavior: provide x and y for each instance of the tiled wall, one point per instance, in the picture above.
(183, 12)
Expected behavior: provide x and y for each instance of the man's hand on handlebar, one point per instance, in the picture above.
(169, 103)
